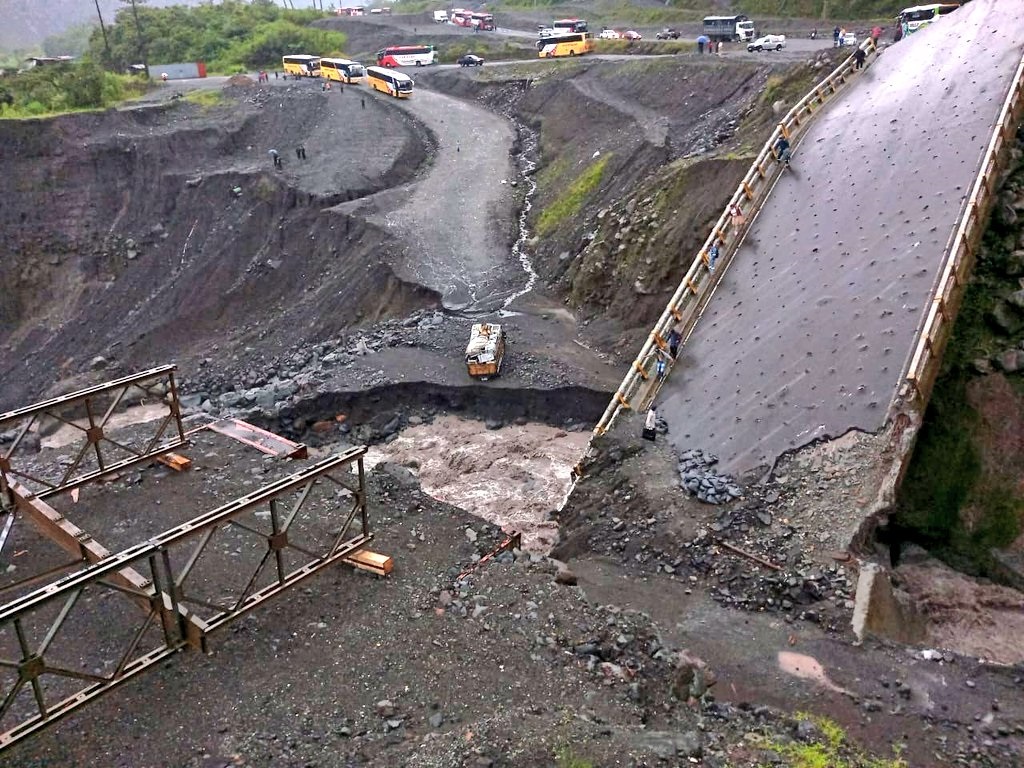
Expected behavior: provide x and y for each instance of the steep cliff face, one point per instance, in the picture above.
(162, 232)
(963, 496)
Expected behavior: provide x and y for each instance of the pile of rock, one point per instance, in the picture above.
(699, 479)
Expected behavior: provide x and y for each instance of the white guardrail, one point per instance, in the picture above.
(697, 284)
(938, 324)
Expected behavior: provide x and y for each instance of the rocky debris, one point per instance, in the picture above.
(699, 479)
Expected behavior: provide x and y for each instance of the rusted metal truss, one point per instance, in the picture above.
(88, 412)
(189, 581)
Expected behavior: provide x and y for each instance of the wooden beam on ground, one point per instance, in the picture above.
(365, 560)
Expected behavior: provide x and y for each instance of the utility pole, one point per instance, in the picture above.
(103, 29)
(138, 32)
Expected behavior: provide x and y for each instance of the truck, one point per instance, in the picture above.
(440, 17)
(728, 29)
(485, 351)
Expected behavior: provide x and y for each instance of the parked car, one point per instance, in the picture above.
(849, 39)
(470, 60)
(609, 34)
(629, 34)
(668, 34)
(767, 43)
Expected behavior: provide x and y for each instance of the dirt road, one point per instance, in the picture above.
(452, 218)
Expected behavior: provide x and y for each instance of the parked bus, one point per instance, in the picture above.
(569, 25)
(395, 84)
(912, 19)
(342, 70)
(301, 65)
(407, 56)
(483, 21)
(461, 17)
(575, 44)
(726, 29)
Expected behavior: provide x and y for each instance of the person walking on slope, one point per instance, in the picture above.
(674, 339)
(783, 153)
(858, 57)
(275, 157)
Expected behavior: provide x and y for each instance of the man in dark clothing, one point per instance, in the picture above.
(835, 37)
(275, 157)
(858, 57)
(782, 150)
(673, 343)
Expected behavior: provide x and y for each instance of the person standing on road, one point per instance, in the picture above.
(835, 36)
(700, 44)
(674, 339)
(275, 157)
(362, 102)
(300, 152)
(650, 425)
(659, 367)
(713, 252)
(858, 56)
(736, 218)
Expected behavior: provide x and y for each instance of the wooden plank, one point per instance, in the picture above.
(374, 562)
(175, 461)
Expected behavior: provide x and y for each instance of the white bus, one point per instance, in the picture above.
(342, 70)
(407, 56)
(912, 19)
(397, 84)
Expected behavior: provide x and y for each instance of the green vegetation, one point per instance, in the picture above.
(569, 204)
(230, 37)
(831, 750)
(567, 758)
(71, 42)
(64, 88)
(644, 47)
(205, 98)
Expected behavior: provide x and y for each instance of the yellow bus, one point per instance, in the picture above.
(566, 44)
(301, 65)
(388, 81)
(342, 70)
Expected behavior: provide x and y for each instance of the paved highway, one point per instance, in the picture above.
(811, 329)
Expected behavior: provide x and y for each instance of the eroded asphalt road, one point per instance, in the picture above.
(810, 331)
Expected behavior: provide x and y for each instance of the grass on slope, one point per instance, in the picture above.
(570, 203)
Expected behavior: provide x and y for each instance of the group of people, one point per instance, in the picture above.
(706, 43)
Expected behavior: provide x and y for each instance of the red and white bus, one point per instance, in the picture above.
(569, 25)
(407, 56)
(483, 21)
(460, 17)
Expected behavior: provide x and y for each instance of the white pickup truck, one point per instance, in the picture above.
(440, 17)
(767, 43)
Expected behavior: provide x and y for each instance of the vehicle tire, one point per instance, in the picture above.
(759, 49)
(572, 53)
(419, 63)
(778, 47)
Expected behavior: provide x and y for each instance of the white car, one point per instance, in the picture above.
(547, 32)
(767, 43)
(849, 39)
(609, 34)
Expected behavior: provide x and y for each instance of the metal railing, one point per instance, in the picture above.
(640, 385)
(938, 323)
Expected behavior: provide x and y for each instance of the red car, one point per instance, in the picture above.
(629, 34)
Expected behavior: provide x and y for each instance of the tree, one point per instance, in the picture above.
(103, 28)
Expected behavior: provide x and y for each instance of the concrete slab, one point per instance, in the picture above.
(811, 329)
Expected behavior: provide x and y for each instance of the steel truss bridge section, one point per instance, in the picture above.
(97, 453)
(189, 581)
